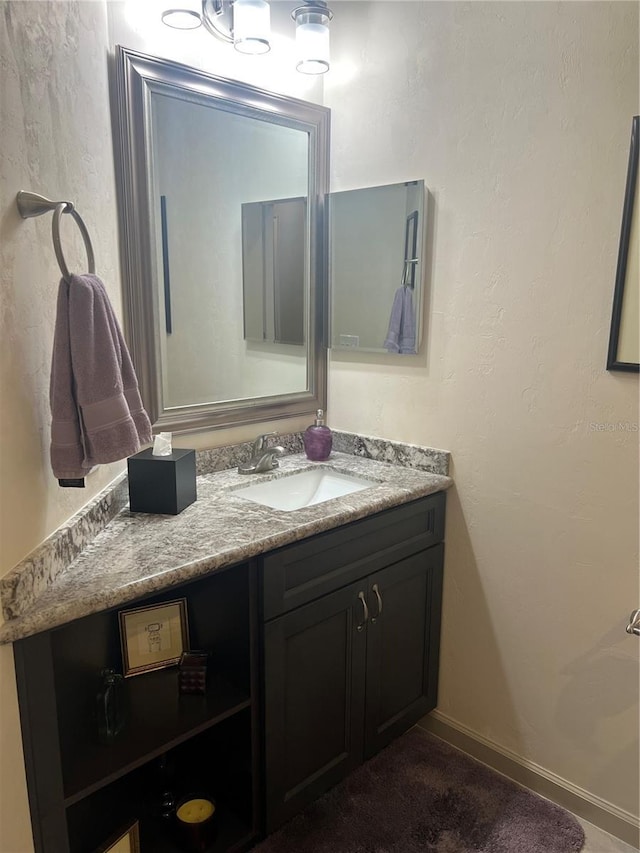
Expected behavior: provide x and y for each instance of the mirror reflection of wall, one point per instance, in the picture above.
(375, 253)
(274, 270)
(208, 163)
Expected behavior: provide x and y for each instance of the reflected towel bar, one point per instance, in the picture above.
(31, 204)
(405, 282)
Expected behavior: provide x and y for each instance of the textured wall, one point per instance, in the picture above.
(518, 116)
(56, 140)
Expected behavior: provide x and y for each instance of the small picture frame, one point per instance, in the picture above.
(127, 840)
(153, 637)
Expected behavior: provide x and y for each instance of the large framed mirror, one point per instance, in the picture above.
(223, 331)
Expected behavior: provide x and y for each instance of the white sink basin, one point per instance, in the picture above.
(305, 488)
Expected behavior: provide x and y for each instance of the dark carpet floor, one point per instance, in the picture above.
(421, 795)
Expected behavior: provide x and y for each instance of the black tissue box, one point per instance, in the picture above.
(162, 484)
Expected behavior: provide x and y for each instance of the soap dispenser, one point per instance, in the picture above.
(317, 439)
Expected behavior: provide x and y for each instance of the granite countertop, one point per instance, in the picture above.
(138, 554)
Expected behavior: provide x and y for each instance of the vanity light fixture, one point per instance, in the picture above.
(243, 23)
(312, 36)
(246, 25)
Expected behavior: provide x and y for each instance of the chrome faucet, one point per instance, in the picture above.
(263, 457)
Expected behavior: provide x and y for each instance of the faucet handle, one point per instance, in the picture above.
(270, 459)
(261, 442)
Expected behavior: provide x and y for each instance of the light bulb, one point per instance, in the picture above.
(312, 37)
(251, 26)
(185, 16)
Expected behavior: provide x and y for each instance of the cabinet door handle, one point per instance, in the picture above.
(365, 619)
(379, 598)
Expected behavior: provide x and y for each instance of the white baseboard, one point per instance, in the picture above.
(603, 814)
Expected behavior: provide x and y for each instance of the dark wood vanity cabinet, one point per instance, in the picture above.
(320, 653)
(351, 646)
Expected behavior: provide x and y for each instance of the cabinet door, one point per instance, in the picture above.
(314, 671)
(403, 638)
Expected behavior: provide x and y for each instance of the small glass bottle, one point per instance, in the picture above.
(317, 439)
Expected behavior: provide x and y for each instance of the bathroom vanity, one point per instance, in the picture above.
(322, 627)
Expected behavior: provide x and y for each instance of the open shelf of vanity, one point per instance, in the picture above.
(83, 791)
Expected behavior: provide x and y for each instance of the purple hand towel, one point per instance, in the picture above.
(97, 412)
(391, 342)
(407, 341)
(401, 334)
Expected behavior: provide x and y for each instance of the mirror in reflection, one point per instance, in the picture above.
(376, 268)
(273, 270)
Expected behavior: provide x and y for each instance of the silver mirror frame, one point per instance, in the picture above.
(137, 77)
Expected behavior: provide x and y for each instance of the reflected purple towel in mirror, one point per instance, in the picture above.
(401, 334)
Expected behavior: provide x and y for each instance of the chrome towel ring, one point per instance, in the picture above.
(31, 204)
